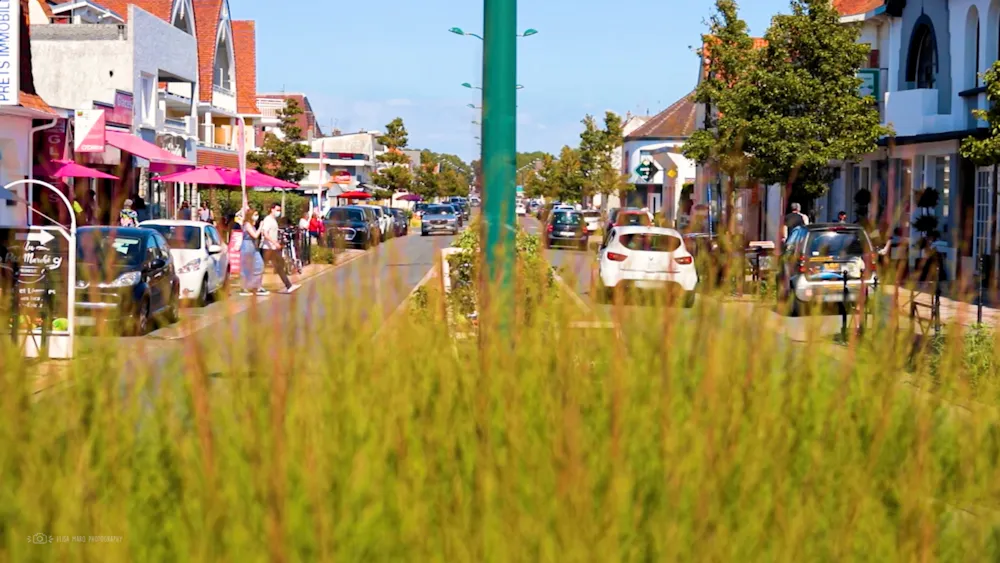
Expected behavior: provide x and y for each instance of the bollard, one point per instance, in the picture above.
(843, 308)
(982, 282)
(936, 311)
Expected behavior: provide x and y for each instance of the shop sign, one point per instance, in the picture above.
(869, 83)
(10, 53)
(342, 177)
(88, 134)
(35, 273)
(120, 113)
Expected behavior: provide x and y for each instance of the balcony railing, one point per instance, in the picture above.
(915, 112)
(175, 123)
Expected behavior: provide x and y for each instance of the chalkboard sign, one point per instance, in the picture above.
(35, 288)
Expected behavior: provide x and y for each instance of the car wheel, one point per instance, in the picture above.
(423, 233)
(174, 310)
(222, 292)
(139, 324)
(203, 292)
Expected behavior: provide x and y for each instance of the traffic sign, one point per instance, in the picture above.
(646, 170)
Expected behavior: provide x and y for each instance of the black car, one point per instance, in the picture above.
(457, 209)
(372, 219)
(566, 228)
(401, 221)
(126, 278)
(351, 225)
(462, 206)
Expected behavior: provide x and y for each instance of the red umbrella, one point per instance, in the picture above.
(70, 169)
(355, 195)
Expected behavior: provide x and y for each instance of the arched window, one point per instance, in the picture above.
(223, 65)
(922, 59)
(182, 16)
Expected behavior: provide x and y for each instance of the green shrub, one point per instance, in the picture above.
(322, 254)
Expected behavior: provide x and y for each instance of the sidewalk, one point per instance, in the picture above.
(953, 311)
(273, 282)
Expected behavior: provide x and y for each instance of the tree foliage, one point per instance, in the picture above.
(597, 144)
(394, 174)
(561, 179)
(280, 157)
(802, 101)
(986, 152)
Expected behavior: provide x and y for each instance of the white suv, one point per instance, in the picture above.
(200, 256)
(643, 257)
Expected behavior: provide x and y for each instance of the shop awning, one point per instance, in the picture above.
(143, 149)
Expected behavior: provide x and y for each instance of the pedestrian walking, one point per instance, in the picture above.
(203, 214)
(128, 217)
(842, 217)
(794, 220)
(271, 246)
(251, 262)
(184, 213)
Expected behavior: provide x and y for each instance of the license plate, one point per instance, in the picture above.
(566, 233)
(834, 267)
(85, 321)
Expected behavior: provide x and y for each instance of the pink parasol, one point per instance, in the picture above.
(70, 169)
(221, 176)
(410, 197)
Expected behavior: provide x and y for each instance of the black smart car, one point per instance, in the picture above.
(125, 278)
(566, 228)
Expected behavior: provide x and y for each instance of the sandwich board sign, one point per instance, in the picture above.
(37, 289)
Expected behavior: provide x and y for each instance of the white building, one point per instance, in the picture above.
(339, 164)
(651, 156)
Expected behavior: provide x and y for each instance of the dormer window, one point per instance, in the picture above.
(922, 59)
(182, 16)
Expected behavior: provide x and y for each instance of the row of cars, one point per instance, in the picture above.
(365, 226)
(447, 217)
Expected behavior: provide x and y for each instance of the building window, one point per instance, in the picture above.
(147, 100)
(921, 66)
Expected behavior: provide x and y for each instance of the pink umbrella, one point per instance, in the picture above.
(410, 197)
(70, 169)
(220, 176)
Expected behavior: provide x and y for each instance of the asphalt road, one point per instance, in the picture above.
(578, 269)
(369, 288)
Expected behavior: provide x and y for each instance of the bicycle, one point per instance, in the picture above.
(289, 252)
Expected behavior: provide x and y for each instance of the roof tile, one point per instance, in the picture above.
(217, 158)
(159, 8)
(206, 22)
(245, 46)
(677, 121)
(855, 7)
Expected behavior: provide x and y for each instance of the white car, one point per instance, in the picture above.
(644, 257)
(593, 219)
(384, 221)
(520, 209)
(199, 255)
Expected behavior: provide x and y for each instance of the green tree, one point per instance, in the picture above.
(395, 173)
(728, 54)
(986, 152)
(452, 161)
(427, 183)
(280, 157)
(802, 101)
(560, 178)
(599, 174)
(453, 183)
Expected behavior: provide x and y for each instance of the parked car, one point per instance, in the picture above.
(401, 222)
(644, 257)
(439, 218)
(382, 220)
(566, 228)
(419, 208)
(593, 219)
(474, 201)
(125, 278)
(201, 260)
(462, 205)
(458, 213)
(520, 209)
(815, 260)
(351, 224)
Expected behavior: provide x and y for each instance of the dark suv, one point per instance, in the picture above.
(566, 228)
(816, 259)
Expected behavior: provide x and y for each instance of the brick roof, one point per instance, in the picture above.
(245, 45)
(217, 158)
(855, 7)
(206, 17)
(159, 8)
(677, 121)
(29, 98)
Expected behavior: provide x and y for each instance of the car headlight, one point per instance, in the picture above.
(125, 280)
(191, 266)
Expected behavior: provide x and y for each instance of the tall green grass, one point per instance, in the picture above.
(700, 438)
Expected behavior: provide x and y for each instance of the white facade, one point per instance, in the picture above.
(15, 158)
(76, 65)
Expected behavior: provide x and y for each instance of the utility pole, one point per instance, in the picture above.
(499, 126)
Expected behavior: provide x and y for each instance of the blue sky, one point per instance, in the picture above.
(364, 63)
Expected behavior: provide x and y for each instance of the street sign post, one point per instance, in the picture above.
(38, 283)
(646, 170)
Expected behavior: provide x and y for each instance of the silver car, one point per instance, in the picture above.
(439, 219)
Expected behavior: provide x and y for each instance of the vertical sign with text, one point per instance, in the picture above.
(10, 52)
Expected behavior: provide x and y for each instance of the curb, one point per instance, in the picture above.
(401, 308)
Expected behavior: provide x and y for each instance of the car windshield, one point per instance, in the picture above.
(566, 218)
(440, 210)
(101, 247)
(345, 215)
(592, 214)
(838, 244)
(398, 213)
(179, 236)
(630, 219)
(650, 242)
